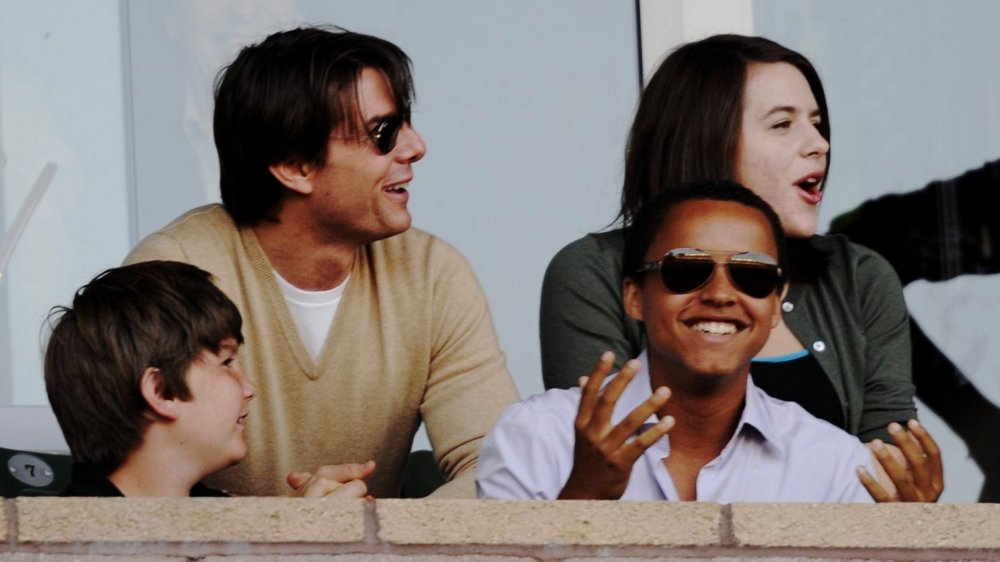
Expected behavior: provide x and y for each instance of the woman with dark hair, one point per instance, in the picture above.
(749, 110)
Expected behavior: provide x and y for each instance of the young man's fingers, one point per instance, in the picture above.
(632, 451)
(935, 468)
(925, 466)
(912, 451)
(920, 469)
(612, 391)
(590, 389)
(926, 441)
(633, 421)
(875, 490)
(896, 470)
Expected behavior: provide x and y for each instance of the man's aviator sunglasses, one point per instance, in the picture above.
(685, 270)
(386, 132)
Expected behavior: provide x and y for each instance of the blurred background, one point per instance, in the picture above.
(525, 107)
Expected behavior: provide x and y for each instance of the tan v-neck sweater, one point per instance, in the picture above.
(413, 339)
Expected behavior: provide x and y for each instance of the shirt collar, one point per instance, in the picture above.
(756, 418)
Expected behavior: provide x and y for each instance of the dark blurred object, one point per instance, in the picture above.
(947, 229)
(422, 476)
(944, 230)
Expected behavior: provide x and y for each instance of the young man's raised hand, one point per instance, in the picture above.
(604, 454)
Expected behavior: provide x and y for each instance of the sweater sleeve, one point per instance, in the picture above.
(889, 390)
(156, 246)
(468, 383)
(582, 314)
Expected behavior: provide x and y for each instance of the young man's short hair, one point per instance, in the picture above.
(157, 314)
(281, 99)
(648, 220)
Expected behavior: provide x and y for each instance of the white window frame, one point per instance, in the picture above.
(665, 24)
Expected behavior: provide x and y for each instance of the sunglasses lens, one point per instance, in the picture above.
(756, 280)
(685, 274)
(387, 132)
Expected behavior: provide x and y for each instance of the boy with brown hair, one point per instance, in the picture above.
(143, 376)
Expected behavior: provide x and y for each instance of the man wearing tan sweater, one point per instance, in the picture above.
(358, 327)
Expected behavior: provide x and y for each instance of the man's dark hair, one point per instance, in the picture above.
(649, 220)
(280, 100)
(687, 126)
(155, 314)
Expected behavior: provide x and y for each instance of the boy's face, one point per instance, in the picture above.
(715, 329)
(212, 419)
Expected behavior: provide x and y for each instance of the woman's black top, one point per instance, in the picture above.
(798, 378)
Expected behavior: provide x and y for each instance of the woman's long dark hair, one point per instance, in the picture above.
(687, 127)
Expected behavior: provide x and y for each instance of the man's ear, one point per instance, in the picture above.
(632, 297)
(294, 175)
(152, 391)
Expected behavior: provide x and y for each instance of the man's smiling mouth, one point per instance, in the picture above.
(715, 327)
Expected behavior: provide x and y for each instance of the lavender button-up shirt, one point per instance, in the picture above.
(779, 453)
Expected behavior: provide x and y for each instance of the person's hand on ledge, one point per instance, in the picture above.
(911, 471)
(604, 454)
(332, 481)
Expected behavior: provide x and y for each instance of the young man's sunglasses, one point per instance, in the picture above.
(386, 132)
(685, 270)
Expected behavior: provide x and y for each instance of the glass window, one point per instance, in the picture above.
(61, 102)
(912, 90)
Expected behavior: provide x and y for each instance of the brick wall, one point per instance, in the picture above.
(58, 529)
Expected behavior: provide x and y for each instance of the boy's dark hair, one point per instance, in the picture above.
(687, 126)
(158, 314)
(280, 100)
(649, 219)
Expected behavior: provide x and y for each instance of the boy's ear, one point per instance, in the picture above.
(632, 297)
(294, 175)
(151, 388)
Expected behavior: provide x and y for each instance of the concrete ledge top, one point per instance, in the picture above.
(245, 520)
(492, 522)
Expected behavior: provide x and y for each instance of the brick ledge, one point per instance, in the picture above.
(59, 528)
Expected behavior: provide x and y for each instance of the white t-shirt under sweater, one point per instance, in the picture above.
(312, 311)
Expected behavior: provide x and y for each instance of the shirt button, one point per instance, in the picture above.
(787, 306)
(819, 347)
